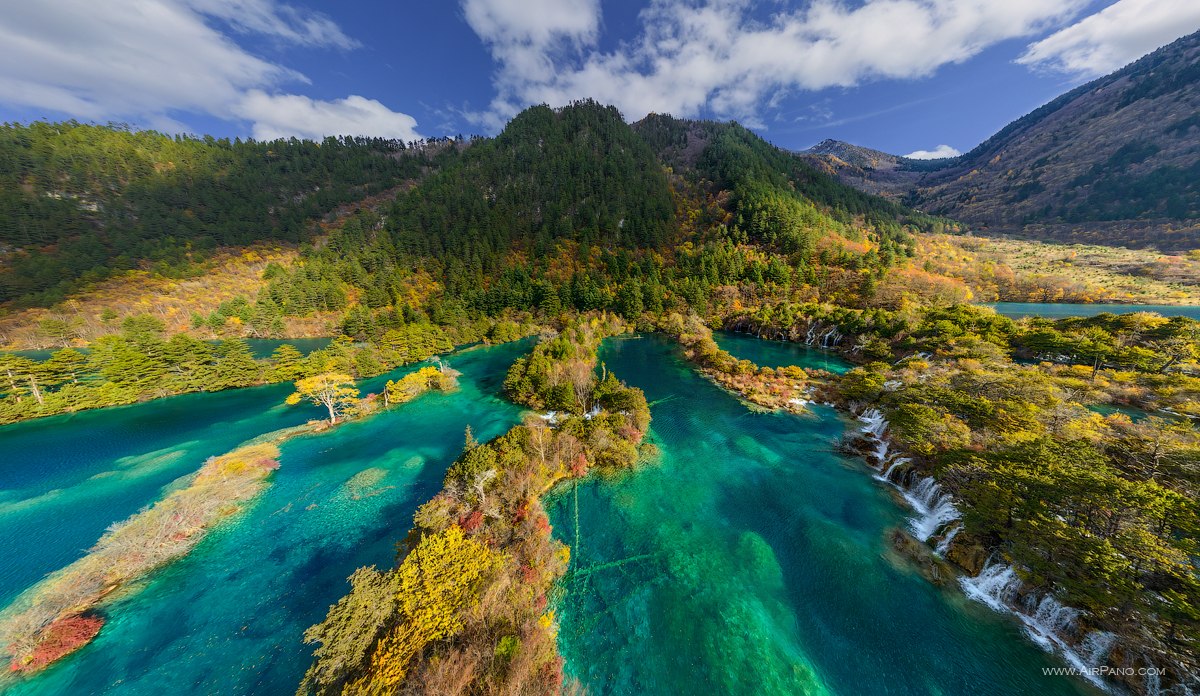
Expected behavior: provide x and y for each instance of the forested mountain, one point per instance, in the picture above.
(78, 202)
(1115, 160)
(570, 209)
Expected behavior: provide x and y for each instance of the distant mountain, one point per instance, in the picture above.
(872, 171)
(1114, 161)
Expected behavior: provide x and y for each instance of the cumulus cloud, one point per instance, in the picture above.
(151, 61)
(284, 115)
(1115, 36)
(713, 55)
(939, 152)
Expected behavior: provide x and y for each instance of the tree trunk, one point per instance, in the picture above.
(37, 393)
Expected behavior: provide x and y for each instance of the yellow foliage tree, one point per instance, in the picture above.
(439, 582)
(413, 385)
(335, 391)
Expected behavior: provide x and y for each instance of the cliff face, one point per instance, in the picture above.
(1116, 160)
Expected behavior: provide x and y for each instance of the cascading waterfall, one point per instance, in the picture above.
(1047, 621)
(996, 585)
(1096, 645)
(1052, 618)
(881, 452)
(896, 464)
(944, 545)
(874, 423)
(933, 507)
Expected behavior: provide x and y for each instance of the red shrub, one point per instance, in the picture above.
(543, 524)
(579, 467)
(472, 521)
(62, 637)
(528, 573)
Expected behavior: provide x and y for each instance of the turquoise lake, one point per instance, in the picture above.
(749, 558)
(228, 619)
(1017, 310)
(765, 353)
(752, 559)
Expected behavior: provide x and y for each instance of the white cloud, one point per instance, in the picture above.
(150, 61)
(268, 18)
(696, 55)
(1115, 36)
(939, 152)
(284, 115)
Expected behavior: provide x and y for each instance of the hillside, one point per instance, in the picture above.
(80, 202)
(580, 210)
(1114, 161)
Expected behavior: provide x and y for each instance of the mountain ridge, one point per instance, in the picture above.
(1114, 161)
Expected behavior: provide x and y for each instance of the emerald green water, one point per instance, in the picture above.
(228, 619)
(774, 354)
(752, 559)
(1053, 310)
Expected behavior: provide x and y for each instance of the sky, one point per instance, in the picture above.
(926, 78)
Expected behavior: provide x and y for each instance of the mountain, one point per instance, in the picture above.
(873, 171)
(80, 202)
(1116, 160)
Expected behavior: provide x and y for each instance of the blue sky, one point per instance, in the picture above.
(898, 75)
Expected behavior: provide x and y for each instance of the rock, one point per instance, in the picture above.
(967, 553)
(932, 568)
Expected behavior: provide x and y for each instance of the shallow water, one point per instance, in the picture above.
(752, 559)
(766, 353)
(229, 618)
(1052, 310)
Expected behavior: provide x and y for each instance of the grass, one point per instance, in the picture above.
(1015, 270)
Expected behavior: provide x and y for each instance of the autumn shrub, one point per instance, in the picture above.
(62, 637)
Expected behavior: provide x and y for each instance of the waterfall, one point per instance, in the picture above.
(887, 475)
(934, 509)
(1153, 683)
(996, 585)
(875, 423)
(944, 545)
(881, 452)
(1095, 647)
(811, 334)
(1047, 621)
(1052, 618)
